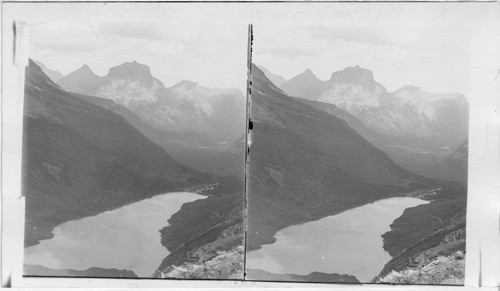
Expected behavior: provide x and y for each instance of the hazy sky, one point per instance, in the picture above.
(435, 59)
(423, 44)
(72, 35)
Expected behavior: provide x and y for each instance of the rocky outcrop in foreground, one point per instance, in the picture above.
(448, 270)
(205, 238)
(218, 265)
(438, 256)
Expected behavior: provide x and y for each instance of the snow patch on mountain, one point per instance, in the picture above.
(349, 97)
(127, 92)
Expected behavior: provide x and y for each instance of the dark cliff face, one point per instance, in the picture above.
(356, 76)
(300, 154)
(133, 71)
(80, 159)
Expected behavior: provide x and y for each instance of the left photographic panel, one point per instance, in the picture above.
(134, 140)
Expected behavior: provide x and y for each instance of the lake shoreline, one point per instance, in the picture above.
(126, 238)
(334, 230)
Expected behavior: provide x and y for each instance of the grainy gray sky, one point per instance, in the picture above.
(433, 58)
(64, 37)
(423, 44)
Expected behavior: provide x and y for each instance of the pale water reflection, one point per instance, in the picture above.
(346, 243)
(125, 238)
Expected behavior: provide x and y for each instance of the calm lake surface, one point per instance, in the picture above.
(125, 238)
(346, 243)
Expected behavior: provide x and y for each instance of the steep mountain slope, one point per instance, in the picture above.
(299, 153)
(276, 79)
(456, 165)
(444, 165)
(53, 75)
(407, 112)
(418, 155)
(80, 159)
(196, 150)
(228, 162)
(186, 106)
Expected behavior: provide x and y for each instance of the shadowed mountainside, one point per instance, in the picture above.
(80, 159)
(418, 155)
(298, 154)
(195, 150)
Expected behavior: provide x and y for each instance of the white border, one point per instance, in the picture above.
(484, 157)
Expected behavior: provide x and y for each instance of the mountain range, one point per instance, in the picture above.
(299, 153)
(83, 155)
(408, 111)
(80, 159)
(417, 129)
(186, 106)
(310, 159)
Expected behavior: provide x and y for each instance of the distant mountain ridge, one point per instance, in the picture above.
(53, 75)
(276, 79)
(409, 111)
(184, 106)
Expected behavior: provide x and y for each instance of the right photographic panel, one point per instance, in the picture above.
(358, 154)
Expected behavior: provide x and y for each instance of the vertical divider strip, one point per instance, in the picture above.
(247, 146)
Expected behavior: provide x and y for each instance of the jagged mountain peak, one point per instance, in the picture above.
(83, 70)
(83, 80)
(306, 75)
(305, 85)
